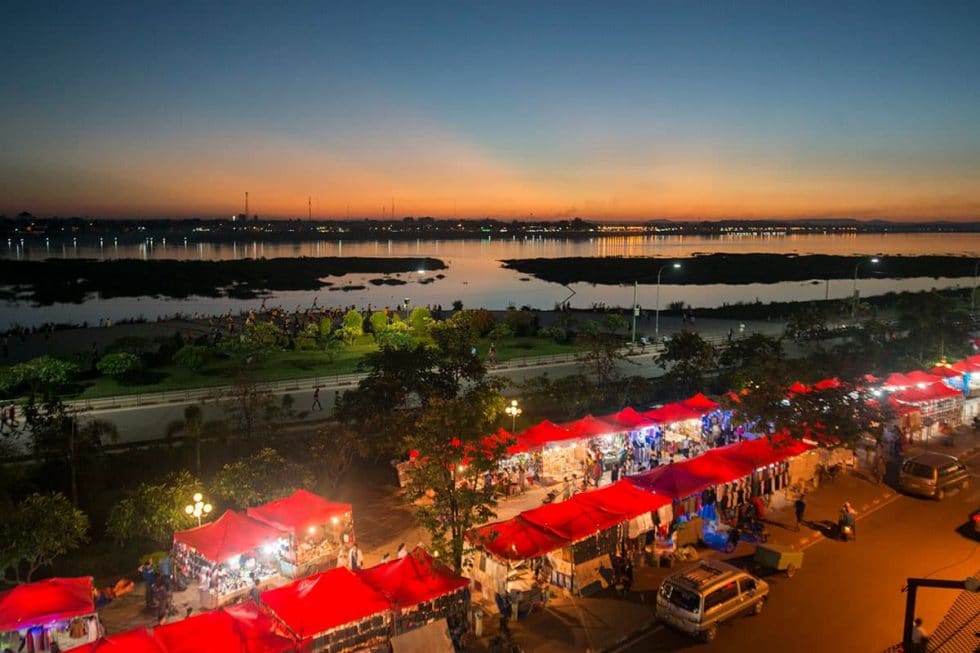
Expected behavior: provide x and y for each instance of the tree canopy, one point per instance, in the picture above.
(39, 529)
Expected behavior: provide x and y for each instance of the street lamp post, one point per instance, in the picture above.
(514, 411)
(198, 508)
(854, 295)
(657, 319)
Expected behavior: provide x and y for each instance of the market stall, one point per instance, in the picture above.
(555, 452)
(138, 640)
(316, 530)
(331, 611)
(54, 612)
(420, 591)
(937, 403)
(228, 555)
(242, 628)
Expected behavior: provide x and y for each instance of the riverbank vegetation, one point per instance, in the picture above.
(738, 268)
(75, 280)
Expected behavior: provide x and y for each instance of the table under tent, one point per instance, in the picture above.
(316, 530)
(421, 592)
(333, 611)
(226, 556)
(54, 612)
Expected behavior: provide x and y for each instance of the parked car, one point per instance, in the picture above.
(698, 598)
(933, 475)
(975, 520)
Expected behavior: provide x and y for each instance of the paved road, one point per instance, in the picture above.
(848, 595)
(148, 422)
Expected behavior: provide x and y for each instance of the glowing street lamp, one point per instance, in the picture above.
(198, 509)
(514, 411)
(854, 299)
(676, 266)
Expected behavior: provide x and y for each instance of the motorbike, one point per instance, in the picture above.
(550, 497)
(734, 535)
(845, 528)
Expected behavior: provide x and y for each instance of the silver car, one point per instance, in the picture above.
(699, 597)
(932, 475)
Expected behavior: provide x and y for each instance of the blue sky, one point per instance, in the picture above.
(605, 110)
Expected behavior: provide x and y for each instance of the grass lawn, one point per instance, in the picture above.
(292, 364)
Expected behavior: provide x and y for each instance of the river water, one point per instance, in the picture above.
(476, 278)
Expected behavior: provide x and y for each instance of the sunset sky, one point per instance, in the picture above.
(619, 110)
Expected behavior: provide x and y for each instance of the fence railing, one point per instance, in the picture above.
(333, 381)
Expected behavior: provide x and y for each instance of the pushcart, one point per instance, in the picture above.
(778, 558)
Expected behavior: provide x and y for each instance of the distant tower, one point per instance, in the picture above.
(246, 205)
(309, 208)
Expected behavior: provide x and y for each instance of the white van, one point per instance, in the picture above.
(699, 597)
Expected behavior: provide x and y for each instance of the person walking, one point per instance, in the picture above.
(919, 637)
(800, 507)
(402, 551)
(316, 399)
(880, 469)
(356, 558)
(149, 576)
(492, 354)
(614, 474)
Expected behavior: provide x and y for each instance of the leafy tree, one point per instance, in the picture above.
(935, 324)
(154, 511)
(807, 324)
(479, 320)
(346, 335)
(120, 366)
(501, 332)
(403, 381)
(379, 322)
(331, 451)
(262, 477)
(247, 405)
(602, 350)
(687, 358)
(192, 427)
(396, 334)
(309, 338)
(419, 321)
(45, 374)
(38, 530)
(750, 359)
(10, 381)
(192, 357)
(57, 434)
(562, 398)
(354, 323)
(325, 326)
(523, 323)
(452, 455)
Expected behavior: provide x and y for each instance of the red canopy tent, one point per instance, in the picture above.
(753, 454)
(897, 380)
(945, 371)
(240, 628)
(965, 367)
(934, 392)
(320, 603)
(674, 481)
(514, 446)
(798, 388)
(137, 640)
(701, 403)
(590, 426)
(571, 520)
(627, 419)
(621, 498)
(827, 384)
(229, 535)
(543, 433)
(517, 539)
(919, 377)
(412, 580)
(298, 512)
(672, 413)
(46, 601)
